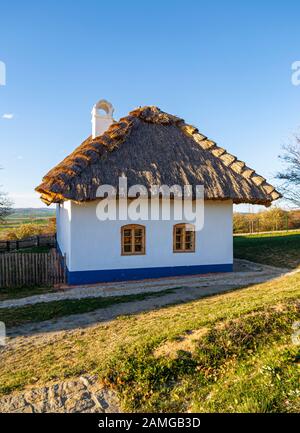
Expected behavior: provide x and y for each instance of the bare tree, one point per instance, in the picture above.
(5, 206)
(291, 174)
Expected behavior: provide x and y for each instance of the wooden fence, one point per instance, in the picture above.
(34, 241)
(32, 269)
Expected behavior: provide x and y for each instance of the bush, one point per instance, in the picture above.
(24, 231)
(51, 226)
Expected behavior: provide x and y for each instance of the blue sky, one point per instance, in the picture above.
(224, 66)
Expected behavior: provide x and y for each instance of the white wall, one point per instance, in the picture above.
(94, 245)
(63, 229)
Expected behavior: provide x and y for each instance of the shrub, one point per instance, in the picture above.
(24, 231)
(51, 226)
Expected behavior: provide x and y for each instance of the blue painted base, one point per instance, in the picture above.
(104, 276)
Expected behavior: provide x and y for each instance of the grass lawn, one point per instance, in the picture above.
(278, 249)
(14, 293)
(240, 354)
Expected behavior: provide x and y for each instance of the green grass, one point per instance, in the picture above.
(22, 292)
(265, 382)
(52, 310)
(198, 380)
(271, 234)
(15, 222)
(31, 213)
(281, 249)
(246, 338)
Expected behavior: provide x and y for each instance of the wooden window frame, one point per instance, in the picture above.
(184, 226)
(133, 227)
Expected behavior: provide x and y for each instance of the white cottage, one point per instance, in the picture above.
(148, 147)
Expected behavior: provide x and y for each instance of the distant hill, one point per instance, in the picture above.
(31, 212)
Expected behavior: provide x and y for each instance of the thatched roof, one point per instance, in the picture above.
(152, 147)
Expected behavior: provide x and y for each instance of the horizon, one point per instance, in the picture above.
(230, 76)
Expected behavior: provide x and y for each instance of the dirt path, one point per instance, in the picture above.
(243, 270)
(189, 288)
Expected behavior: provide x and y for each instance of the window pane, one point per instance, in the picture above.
(184, 238)
(133, 240)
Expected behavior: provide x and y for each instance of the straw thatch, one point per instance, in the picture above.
(152, 147)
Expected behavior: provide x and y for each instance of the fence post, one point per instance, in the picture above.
(65, 268)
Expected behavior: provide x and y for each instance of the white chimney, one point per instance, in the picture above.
(101, 121)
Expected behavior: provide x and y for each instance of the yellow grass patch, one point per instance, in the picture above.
(184, 342)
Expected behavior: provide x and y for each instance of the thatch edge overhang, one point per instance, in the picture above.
(54, 187)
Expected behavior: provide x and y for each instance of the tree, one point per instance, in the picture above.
(240, 224)
(5, 206)
(273, 219)
(291, 174)
(252, 222)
